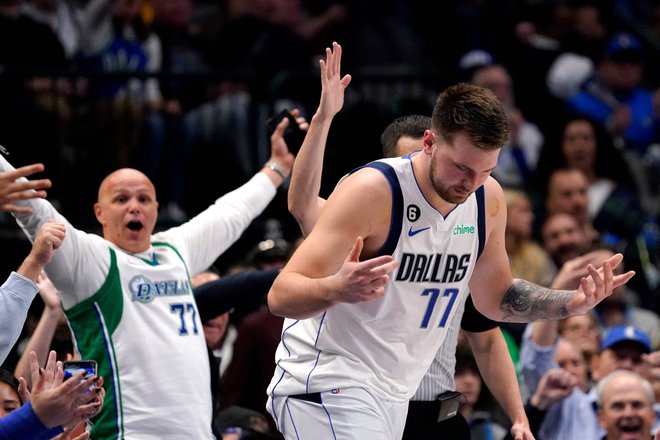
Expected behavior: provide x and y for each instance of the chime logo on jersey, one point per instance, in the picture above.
(144, 290)
(463, 229)
(436, 268)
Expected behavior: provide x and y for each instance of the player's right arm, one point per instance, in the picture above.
(326, 269)
(303, 199)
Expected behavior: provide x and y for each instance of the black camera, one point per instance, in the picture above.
(293, 135)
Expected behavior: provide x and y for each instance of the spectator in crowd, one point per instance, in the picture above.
(567, 192)
(53, 405)
(554, 386)
(625, 406)
(9, 396)
(614, 206)
(582, 331)
(477, 406)
(19, 290)
(563, 238)
(87, 275)
(616, 97)
(517, 161)
(50, 332)
(528, 259)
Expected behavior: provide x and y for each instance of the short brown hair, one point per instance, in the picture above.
(474, 111)
(412, 126)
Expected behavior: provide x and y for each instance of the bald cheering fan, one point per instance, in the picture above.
(129, 303)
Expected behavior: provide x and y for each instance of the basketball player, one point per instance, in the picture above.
(358, 340)
(403, 136)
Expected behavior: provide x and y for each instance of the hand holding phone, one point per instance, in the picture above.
(293, 135)
(71, 368)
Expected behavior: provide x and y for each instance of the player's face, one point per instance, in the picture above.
(460, 168)
(626, 412)
(9, 399)
(127, 209)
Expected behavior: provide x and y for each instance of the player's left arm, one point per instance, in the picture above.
(501, 298)
(500, 377)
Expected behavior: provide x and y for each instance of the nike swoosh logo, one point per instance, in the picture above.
(412, 233)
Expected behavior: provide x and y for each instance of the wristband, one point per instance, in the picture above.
(277, 168)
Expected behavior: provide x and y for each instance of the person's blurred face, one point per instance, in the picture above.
(626, 413)
(468, 383)
(127, 209)
(583, 332)
(215, 330)
(563, 238)
(621, 75)
(406, 145)
(9, 399)
(579, 145)
(498, 81)
(457, 169)
(519, 217)
(567, 192)
(624, 355)
(572, 360)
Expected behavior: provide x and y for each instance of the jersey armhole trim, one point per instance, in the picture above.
(396, 216)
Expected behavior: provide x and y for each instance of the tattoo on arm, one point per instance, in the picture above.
(526, 302)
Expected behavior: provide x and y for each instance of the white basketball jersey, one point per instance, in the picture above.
(387, 344)
(143, 329)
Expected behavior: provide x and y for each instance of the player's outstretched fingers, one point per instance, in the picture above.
(589, 291)
(599, 285)
(608, 277)
(623, 278)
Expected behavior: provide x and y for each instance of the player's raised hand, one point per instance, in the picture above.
(333, 84)
(359, 281)
(598, 285)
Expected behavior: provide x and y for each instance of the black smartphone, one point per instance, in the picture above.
(293, 135)
(71, 368)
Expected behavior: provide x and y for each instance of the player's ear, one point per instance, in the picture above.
(428, 140)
